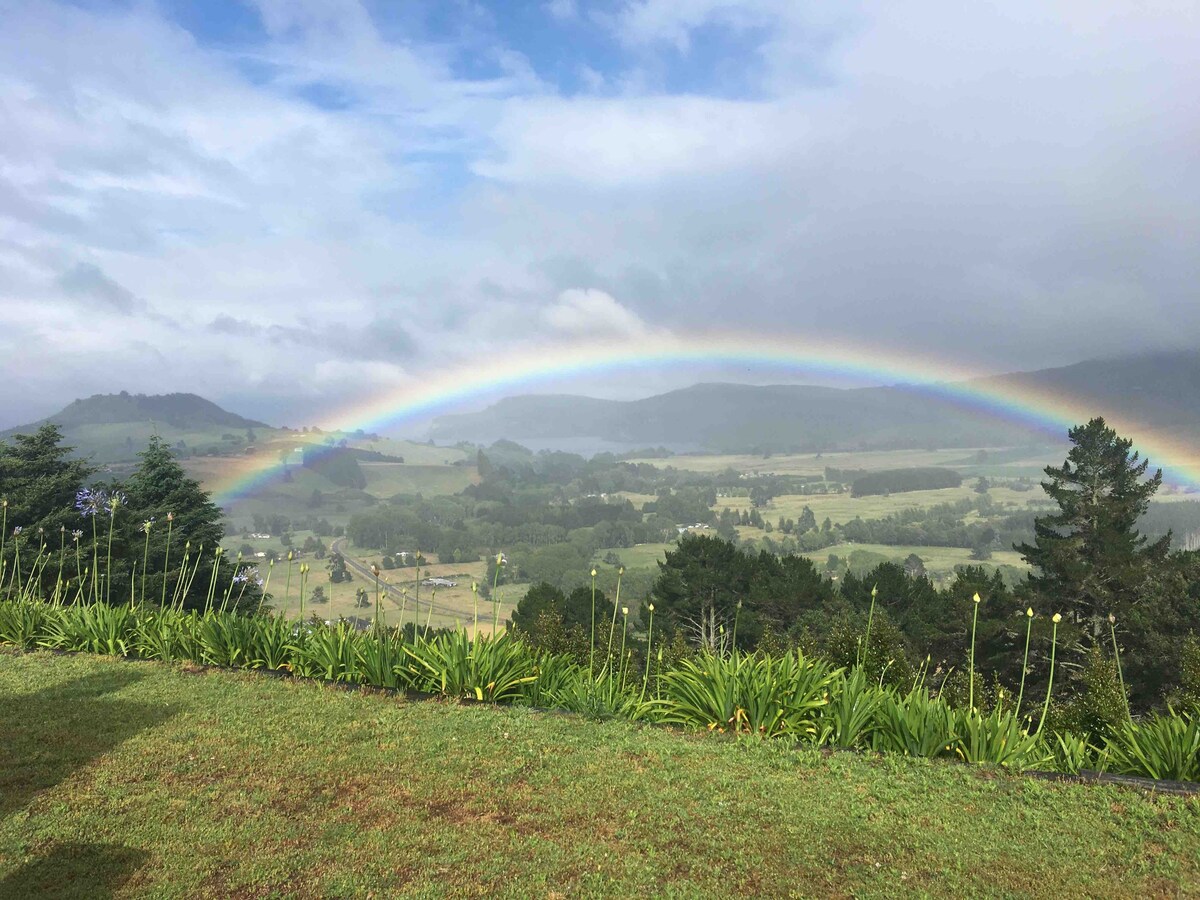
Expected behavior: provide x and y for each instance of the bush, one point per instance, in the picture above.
(1160, 747)
(747, 693)
(1098, 709)
(1189, 674)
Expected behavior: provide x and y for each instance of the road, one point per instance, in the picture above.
(391, 591)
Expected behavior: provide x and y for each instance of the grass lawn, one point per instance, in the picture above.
(147, 780)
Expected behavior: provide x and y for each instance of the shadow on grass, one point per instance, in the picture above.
(47, 735)
(75, 870)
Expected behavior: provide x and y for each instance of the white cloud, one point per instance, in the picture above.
(582, 312)
(924, 175)
(612, 142)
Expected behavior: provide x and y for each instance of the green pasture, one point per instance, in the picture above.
(815, 463)
(840, 508)
(388, 479)
(940, 562)
(642, 556)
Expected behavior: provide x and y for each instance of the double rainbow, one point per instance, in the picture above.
(533, 368)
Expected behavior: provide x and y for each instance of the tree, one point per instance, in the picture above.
(39, 480)
(337, 568)
(38, 484)
(700, 584)
(1089, 558)
(159, 488)
(540, 598)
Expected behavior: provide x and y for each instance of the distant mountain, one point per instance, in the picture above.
(183, 411)
(1162, 390)
(114, 427)
(738, 417)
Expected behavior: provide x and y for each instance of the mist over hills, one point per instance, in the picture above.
(1162, 390)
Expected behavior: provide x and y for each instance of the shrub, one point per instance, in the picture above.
(916, 725)
(451, 664)
(850, 717)
(21, 621)
(1189, 674)
(1159, 747)
(997, 737)
(747, 693)
(1098, 708)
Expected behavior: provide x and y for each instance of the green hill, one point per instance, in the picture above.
(150, 780)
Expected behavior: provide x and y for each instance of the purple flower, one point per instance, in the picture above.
(247, 574)
(89, 502)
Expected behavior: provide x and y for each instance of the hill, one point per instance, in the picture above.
(151, 780)
(732, 418)
(182, 411)
(1161, 389)
(113, 428)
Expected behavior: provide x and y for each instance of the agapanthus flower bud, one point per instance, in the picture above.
(1056, 618)
(1029, 611)
(976, 597)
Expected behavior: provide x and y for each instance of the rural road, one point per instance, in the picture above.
(391, 591)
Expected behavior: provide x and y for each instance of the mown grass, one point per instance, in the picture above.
(142, 779)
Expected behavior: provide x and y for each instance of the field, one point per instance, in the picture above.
(1012, 463)
(146, 780)
(642, 556)
(450, 605)
(840, 508)
(388, 479)
(940, 562)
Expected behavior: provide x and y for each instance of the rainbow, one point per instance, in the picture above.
(823, 360)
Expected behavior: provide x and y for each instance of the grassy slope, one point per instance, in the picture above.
(165, 783)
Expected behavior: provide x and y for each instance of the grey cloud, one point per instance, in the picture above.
(87, 282)
(380, 340)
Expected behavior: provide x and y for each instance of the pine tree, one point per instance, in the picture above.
(38, 484)
(39, 479)
(1089, 558)
(160, 487)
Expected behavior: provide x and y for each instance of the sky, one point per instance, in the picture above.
(286, 204)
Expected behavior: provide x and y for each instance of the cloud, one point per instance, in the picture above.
(617, 142)
(343, 188)
(580, 312)
(88, 282)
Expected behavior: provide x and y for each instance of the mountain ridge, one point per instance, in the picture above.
(1162, 390)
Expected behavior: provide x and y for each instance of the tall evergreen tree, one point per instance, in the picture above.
(39, 479)
(159, 488)
(38, 483)
(1089, 558)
